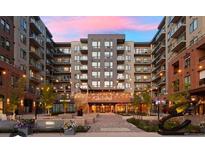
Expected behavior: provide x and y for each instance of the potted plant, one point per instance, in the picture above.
(70, 128)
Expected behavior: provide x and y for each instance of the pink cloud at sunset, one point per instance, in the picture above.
(72, 28)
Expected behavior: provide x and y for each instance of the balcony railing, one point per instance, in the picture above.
(84, 58)
(121, 67)
(120, 58)
(120, 48)
(84, 77)
(36, 53)
(179, 29)
(84, 68)
(36, 40)
(179, 44)
(35, 25)
(120, 77)
(120, 87)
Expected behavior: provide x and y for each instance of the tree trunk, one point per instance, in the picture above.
(14, 115)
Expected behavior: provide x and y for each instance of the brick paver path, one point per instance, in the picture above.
(112, 123)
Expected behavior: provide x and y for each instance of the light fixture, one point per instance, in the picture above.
(24, 76)
(22, 102)
(4, 72)
(179, 71)
(8, 100)
(200, 66)
(161, 74)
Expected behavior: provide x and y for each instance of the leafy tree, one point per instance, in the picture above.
(146, 99)
(137, 101)
(65, 104)
(17, 93)
(48, 96)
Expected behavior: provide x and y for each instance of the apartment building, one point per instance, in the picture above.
(9, 74)
(159, 63)
(186, 65)
(32, 53)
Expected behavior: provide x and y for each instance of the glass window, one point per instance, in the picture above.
(77, 67)
(108, 74)
(96, 74)
(108, 44)
(96, 55)
(193, 25)
(187, 62)
(187, 82)
(96, 64)
(96, 83)
(108, 54)
(23, 54)
(108, 84)
(108, 64)
(96, 44)
(23, 38)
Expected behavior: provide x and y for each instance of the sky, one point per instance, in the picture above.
(72, 28)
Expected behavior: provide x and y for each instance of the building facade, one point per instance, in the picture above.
(9, 73)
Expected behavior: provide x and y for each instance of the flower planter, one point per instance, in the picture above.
(69, 131)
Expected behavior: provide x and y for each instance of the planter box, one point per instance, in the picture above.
(69, 131)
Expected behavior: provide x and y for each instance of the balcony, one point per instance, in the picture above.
(179, 44)
(61, 53)
(159, 48)
(156, 77)
(161, 82)
(84, 59)
(175, 19)
(143, 80)
(49, 42)
(161, 59)
(121, 87)
(49, 64)
(61, 80)
(142, 71)
(84, 87)
(179, 29)
(142, 62)
(35, 78)
(120, 49)
(61, 71)
(35, 66)
(84, 77)
(120, 77)
(35, 40)
(84, 49)
(120, 59)
(35, 26)
(49, 53)
(142, 53)
(62, 62)
(161, 35)
(36, 54)
(84, 68)
(120, 68)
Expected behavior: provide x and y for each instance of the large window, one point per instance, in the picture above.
(96, 74)
(187, 82)
(96, 83)
(23, 38)
(108, 84)
(96, 64)
(108, 74)
(23, 24)
(108, 54)
(96, 55)
(96, 44)
(108, 64)
(187, 62)
(108, 44)
(193, 25)
(23, 54)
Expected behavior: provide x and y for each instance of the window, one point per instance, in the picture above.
(108, 54)
(96, 83)
(108, 44)
(23, 38)
(108, 64)
(187, 62)
(7, 43)
(127, 67)
(96, 55)
(96, 64)
(96, 44)
(23, 24)
(23, 67)
(77, 58)
(128, 58)
(127, 76)
(187, 82)
(127, 85)
(108, 74)
(76, 48)
(96, 74)
(108, 84)
(193, 25)
(2, 42)
(7, 28)
(77, 67)
(77, 76)
(23, 54)
(127, 48)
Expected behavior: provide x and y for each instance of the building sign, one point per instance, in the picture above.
(104, 97)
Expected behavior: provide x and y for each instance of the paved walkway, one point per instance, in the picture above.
(106, 125)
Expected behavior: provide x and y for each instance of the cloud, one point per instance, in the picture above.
(70, 28)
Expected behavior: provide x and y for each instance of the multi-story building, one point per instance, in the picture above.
(186, 57)
(159, 63)
(32, 53)
(9, 74)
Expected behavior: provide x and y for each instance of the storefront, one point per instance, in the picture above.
(1, 104)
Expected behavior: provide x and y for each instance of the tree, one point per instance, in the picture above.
(137, 101)
(180, 97)
(17, 94)
(65, 104)
(146, 99)
(47, 97)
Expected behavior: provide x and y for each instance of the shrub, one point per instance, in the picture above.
(82, 128)
(148, 126)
